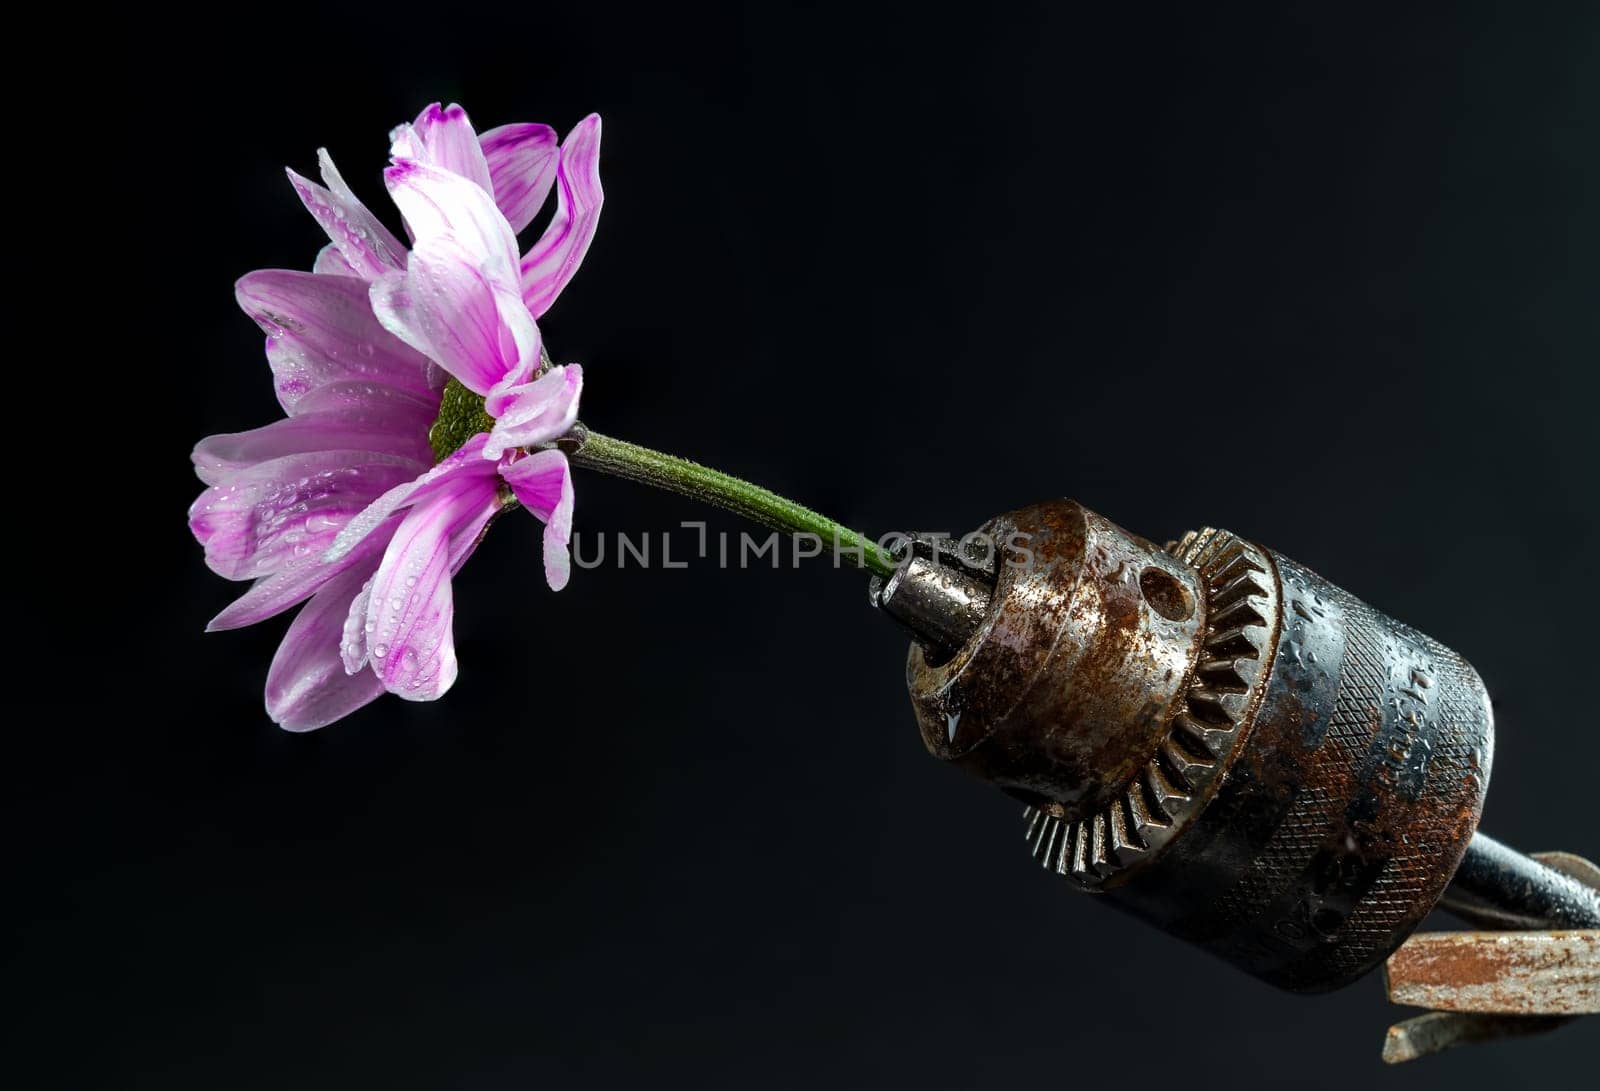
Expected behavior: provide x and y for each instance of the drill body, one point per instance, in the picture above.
(1346, 807)
(1210, 736)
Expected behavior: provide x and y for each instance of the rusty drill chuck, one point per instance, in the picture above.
(1207, 735)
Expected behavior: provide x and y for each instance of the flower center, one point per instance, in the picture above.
(461, 416)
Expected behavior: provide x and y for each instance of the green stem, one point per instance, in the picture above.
(679, 475)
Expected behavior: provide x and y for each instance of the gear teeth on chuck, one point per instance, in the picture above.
(1241, 622)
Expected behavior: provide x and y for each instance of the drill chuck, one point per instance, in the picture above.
(1207, 735)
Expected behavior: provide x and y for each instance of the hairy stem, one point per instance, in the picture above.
(622, 459)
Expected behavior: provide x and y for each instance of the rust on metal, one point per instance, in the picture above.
(1508, 973)
(1422, 1035)
(1219, 740)
(1440, 1030)
(1067, 687)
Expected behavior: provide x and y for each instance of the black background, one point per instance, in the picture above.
(1325, 278)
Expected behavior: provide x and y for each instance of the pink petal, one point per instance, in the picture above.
(353, 643)
(295, 581)
(321, 329)
(331, 263)
(409, 640)
(522, 165)
(444, 138)
(446, 307)
(535, 412)
(256, 521)
(307, 686)
(552, 261)
(520, 340)
(469, 532)
(438, 203)
(370, 248)
(467, 462)
(389, 297)
(403, 434)
(360, 394)
(355, 650)
(542, 483)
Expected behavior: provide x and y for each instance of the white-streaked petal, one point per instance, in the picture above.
(255, 521)
(551, 262)
(467, 462)
(443, 137)
(297, 581)
(351, 395)
(331, 263)
(410, 610)
(438, 203)
(321, 329)
(477, 330)
(366, 245)
(307, 685)
(400, 430)
(353, 638)
(536, 412)
(522, 166)
(542, 483)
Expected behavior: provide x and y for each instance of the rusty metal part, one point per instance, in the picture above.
(1441, 1030)
(1571, 865)
(1498, 887)
(1071, 680)
(1217, 739)
(1509, 973)
(1434, 1032)
(1238, 597)
(1072, 677)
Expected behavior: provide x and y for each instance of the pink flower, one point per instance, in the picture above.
(342, 503)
